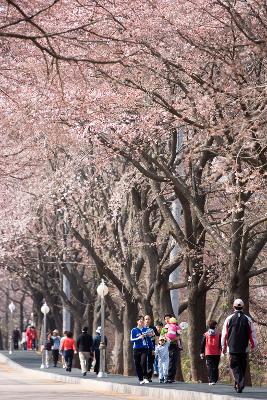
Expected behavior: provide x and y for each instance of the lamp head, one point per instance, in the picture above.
(45, 309)
(102, 289)
(11, 307)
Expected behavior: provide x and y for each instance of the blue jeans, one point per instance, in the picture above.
(155, 366)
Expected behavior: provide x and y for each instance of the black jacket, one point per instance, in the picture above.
(238, 331)
(85, 343)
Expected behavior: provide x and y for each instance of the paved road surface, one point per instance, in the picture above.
(31, 361)
(16, 386)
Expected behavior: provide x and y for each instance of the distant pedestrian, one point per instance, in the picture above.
(238, 331)
(140, 349)
(48, 348)
(96, 344)
(29, 337)
(85, 349)
(211, 350)
(60, 350)
(68, 346)
(55, 347)
(23, 342)
(162, 353)
(34, 337)
(16, 337)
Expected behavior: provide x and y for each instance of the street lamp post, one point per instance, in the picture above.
(45, 310)
(11, 309)
(102, 291)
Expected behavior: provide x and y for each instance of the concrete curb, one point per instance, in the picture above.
(105, 386)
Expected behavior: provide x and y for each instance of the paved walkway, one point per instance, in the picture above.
(23, 387)
(128, 385)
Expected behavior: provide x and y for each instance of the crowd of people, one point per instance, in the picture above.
(156, 348)
(86, 346)
(26, 340)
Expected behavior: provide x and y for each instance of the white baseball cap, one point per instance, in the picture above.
(238, 303)
(98, 330)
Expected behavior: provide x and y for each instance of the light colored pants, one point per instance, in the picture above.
(84, 359)
(163, 369)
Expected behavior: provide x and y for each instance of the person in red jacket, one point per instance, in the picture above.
(68, 347)
(211, 349)
(29, 337)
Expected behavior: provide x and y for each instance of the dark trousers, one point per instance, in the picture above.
(16, 344)
(238, 365)
(150, 363)
(140, 361)
(97, 361)
(55, 355)
(173, 361)
(212, 363)
(68, 355)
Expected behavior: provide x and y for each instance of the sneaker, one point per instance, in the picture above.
(146, 381)
(168, 381)
(161, 380)
(150, 380)
(84, 373)
(141, 382)
(213, 383)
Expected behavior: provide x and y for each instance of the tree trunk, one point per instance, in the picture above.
(165, 304)
(179, 373)
(117, 353)
(196, 328)
(77, 328)
(130, 314)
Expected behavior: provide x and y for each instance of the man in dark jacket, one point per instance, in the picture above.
(96, 344)
(85, 349)
(16, 336)
(238, 331)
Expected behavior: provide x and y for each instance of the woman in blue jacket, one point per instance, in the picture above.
(140, 348)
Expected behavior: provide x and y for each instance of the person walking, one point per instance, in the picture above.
(140, 349)
(238, 331)
(55, 347)
(23, 343)
(68, 346)
(62, 352)
(29, 337)
(34, 337)
(85, 349)
(162, 353)
(211, 350)
(48, 347)
(174, 350)
(151, 333)
(96, 344)
(16, 337)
